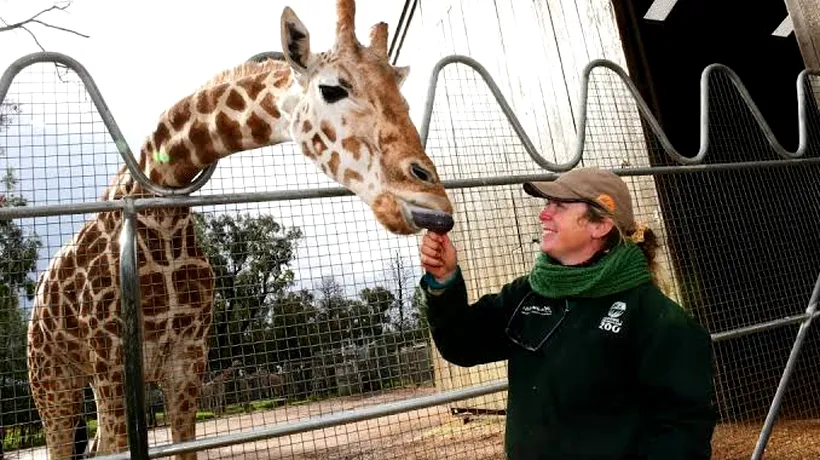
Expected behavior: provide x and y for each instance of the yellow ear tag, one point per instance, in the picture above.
(607, 202)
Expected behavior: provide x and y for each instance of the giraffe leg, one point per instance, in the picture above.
(57, 391)
(180, 396)
(112, 434)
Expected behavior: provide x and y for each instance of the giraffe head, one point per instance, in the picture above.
(349, 117)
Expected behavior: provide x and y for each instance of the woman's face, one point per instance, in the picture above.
(568, 235)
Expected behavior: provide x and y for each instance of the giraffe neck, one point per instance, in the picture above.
(245, 108)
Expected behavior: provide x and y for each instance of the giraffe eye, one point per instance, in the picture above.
(332, 94)
(421, 173)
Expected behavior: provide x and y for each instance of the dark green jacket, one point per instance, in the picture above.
(628, 376)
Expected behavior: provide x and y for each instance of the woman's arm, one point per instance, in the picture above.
(464, 334)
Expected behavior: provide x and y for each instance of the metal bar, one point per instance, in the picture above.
(643, 108)
(327, 192)
(774, 410)
(316, 423)
(94, 92)
(132, 335)
(760, 327)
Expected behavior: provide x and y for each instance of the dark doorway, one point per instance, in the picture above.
(744, 243)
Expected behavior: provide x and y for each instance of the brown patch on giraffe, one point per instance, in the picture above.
(328, 131)
(253, 85)
(69, 264)
(113, 326)
(229, 131)
(207, 99)
(89, 244)
(100, 367)
(154, 296)
(161, 134)
(269, 105)
(110, 301)
(281, 78)
(153, 330)
(183, 167)
(186, 281)
(318, 145)
(235, 101)
(190, 243)
(156, 176)
(181, 323)
(179, 114)
(389, 113)
(387, 211)
(352, 145)
(260, 129)
(385, 140)
(307, 126)
(77, 284)
(100, 340)
(306, 150)
(153, 241)
(99, 274)
(333, 163)
(351, 175)
(177, 243)
(108, 221)
(178, 152)
(71, 322)
(203, 144)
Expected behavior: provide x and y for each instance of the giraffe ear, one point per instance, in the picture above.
(401, 74)
(295, 41)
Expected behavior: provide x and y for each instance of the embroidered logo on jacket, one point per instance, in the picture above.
(610, 322)
(542, 310)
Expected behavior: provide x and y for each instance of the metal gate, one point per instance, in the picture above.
(324, 351)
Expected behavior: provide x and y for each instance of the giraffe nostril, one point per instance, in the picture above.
(421, 174)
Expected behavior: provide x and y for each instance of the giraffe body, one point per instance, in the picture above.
(342, 107)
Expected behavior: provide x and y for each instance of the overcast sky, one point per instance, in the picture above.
(146, 55)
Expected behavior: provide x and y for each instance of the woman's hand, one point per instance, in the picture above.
(438, 256)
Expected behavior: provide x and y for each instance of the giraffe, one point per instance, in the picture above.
(213, 392)
(342, 107)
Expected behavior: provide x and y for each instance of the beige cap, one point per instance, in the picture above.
(594, 186)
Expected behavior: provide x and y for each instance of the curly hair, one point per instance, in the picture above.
(641, 235)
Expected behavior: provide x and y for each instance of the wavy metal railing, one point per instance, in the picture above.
(170, 197)
(654, 125)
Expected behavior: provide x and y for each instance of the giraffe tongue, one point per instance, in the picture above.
(434, 221)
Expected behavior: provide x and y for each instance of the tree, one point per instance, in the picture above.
(7, 111)
(399, 274)
(18, 260)
(39, 19)
(250, 257)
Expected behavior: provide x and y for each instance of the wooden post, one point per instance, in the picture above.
(805, 15)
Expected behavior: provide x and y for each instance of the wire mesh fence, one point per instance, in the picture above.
(314, 308)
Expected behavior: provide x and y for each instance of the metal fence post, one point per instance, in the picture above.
(132, 334)
(774, 409)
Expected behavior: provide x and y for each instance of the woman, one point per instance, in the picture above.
(601, 364)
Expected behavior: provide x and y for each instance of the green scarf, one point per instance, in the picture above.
(623, 267)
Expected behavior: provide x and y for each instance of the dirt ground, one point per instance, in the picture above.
(434, 434)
